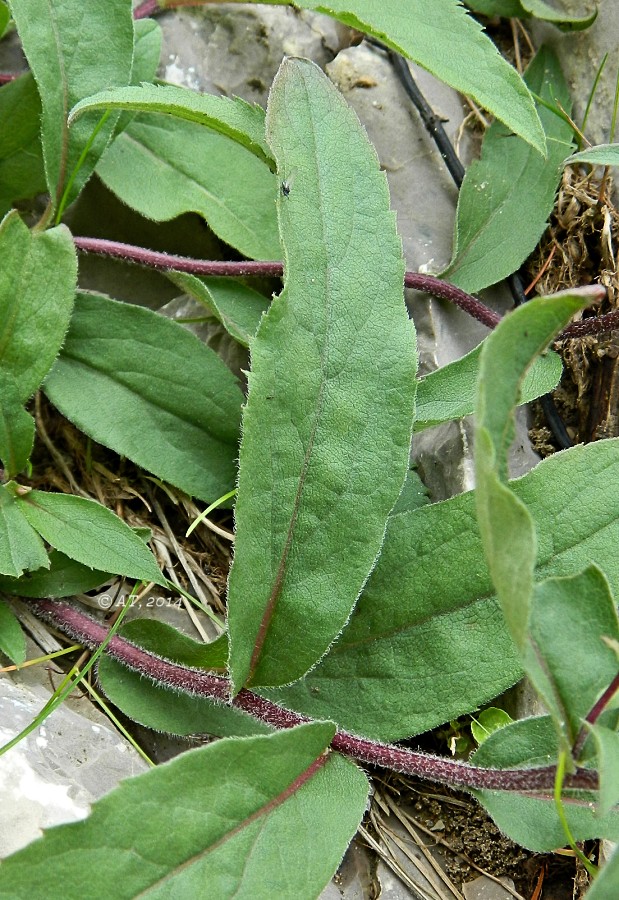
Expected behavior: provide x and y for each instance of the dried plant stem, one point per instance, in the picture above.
(91, 633)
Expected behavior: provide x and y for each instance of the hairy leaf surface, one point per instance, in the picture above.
(163, 167)
(447, 42)
(37, 288)
(90, 534)
(21, 548)
(508, 194)
(73, 47)
(216, 817)
(22, 174)
(331, 392)
(147, 388)
(427, 640)
(242, 122)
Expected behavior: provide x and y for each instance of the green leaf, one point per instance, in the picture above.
(487, 721)
(429, 612)
(533, 822)
(234, 806)
(90, 534)
(37, 287)
(524, 9)
(449, 393)
(607, 743)
(147, 39)
(163, 167)
(126, 372)
(413, 495)
(507, 195)
(236, 306)
(506, 527)
(64, 578)
(600, 155)
(566, 657)
(21, 159)
(16, 428)
(5, 17)
(163, 640)
(447, 42)
(21, 547)
(73, 47)
(156, 707)
(242, 122)
(331, 392)
(606, 885)
(12, 640)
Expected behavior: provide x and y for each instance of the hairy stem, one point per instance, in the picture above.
(91, 633)
(594, 714)
(429, 284)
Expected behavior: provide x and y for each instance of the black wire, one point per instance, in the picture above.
(435, 129)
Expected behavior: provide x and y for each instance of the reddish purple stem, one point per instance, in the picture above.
(146, 9)
(154, 259)
(595, 713)
(91, 633)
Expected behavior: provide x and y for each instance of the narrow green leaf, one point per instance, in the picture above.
(524, 9)
(508, 194)
(147, 40)
(443, 39)
(65, 577)
(429, 611)
(12, 640)
(73, 47)
(600, 155)
(566, 657)
(253, 818)
(155, 707)
(506, 527)
(124, 368)
(566, 22)
(90, 534)
(242, 122)
(37, 288)
(21, 547)
(331, 392)
(413, 495)
(236, 306)
(449, 393)
(163, 167)
(16, 428)
(22, 174)
(607, 742)
(160, 638)
(533, 822)
(5, 17)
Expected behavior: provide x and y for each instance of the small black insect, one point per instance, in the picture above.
(285, 189)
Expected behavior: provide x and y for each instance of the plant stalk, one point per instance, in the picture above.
(173, 676)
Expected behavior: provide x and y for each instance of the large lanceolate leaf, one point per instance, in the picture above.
(37, 287)
(149, 389)
(21, 160)
(507, 195)
(427, 640)
(442, 38)
(238, 120)
(505, 524)
(328, 419)
(262, 817)
(163, 167)
(73, 48)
